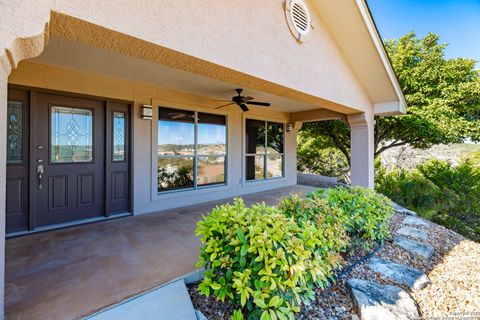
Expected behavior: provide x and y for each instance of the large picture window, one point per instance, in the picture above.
(264, 156)
(192, 149)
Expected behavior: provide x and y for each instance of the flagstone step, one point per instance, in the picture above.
(400, 273)
(382, 302)
(414, 221)
(419, 249)
(412, 232)
(169, 302)
(399, 209)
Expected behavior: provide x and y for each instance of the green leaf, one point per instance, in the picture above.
(265, 315)
(241, 236)
(237, 315)
(276, 301)
(243, 250)
(216, 286)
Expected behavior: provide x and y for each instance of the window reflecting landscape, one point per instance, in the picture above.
(255, 167)
(71, 134)
(264, 140)
(212, 134)
(255, 136)
(274, 166)
(178, 152)
(211, 170)
(176, 132)
(175, 173)
(274, 137)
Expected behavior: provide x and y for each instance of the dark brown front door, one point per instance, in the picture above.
(69, 158)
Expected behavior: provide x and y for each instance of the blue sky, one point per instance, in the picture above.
(456, 21)
(183, 133)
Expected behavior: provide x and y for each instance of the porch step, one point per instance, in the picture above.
(169, 302)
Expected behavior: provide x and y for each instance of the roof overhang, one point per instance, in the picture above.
(352, 26)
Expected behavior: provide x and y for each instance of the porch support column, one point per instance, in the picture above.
(362, 149)
(3, 174)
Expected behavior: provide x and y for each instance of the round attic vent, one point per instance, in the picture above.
(298, 18)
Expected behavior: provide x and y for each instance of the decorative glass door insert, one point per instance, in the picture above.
(14, 131)
(71, 135)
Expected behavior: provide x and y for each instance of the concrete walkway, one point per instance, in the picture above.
(169, 302)
(72, 273)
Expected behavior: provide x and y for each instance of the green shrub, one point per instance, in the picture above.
(366, 213)
(261, 259)
(268, 260)
(409, 189)
(437, 190)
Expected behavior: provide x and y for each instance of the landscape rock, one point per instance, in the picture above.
(412, 232)
(200, 315)
(399, 209)
(382, 302)
(419, 249)
(400, 273)
(414, 221)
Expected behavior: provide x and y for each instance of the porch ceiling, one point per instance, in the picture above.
(68, 54)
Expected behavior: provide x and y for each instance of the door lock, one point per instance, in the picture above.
(40, 175)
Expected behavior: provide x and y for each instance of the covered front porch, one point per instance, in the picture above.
(71, 273)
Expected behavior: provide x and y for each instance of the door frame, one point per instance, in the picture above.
(32, 93)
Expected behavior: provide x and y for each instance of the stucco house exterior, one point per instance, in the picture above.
(114, 108)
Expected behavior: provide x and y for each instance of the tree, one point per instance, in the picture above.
(443, 98)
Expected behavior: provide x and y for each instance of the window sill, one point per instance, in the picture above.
(190, 192)
(263, 181)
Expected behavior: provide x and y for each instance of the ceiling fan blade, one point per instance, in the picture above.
(248, 98)
(244, 107)
(228, 104)
(265, 104)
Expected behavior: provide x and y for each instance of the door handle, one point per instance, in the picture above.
(40, 175)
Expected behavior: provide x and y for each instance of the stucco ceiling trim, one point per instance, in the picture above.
(81, 31)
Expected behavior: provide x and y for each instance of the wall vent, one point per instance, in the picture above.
(298, 18)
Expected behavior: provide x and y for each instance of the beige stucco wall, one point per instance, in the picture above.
(145, 198)
(248, 36)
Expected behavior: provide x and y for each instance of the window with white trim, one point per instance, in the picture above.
(264, 154)
(192, 149)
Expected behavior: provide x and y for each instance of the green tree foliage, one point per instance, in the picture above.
(314, 157)
(443, 98)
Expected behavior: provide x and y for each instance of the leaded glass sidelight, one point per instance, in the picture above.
(118, 136)
(14, 131)
(71, 135)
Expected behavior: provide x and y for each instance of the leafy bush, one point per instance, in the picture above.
(474, 158)
(262, 259)
(267, 260)
(409, 189)
(446, 194)
(366, 213)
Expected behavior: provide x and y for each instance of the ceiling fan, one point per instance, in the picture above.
(242, 101)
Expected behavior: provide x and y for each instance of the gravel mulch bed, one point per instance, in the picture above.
(454, 271)
(315, 180)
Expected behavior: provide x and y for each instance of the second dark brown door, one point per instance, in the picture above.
(68, 159)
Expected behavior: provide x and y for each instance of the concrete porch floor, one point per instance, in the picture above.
(71, 273)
